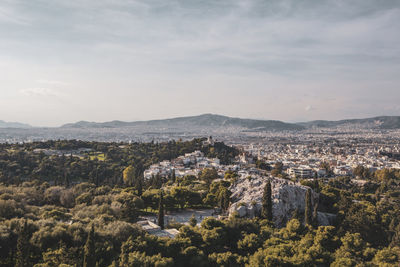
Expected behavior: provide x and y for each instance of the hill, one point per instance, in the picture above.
(213, 122)
(204, 121)
(4, 124)
(381, 122)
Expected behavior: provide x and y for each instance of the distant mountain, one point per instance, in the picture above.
(381, 122)
(204, 121)
(212, 121)
(4, 124)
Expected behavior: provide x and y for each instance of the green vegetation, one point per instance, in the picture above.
(104, 165)
(266, 211)
(47, 225)
(46, 220)
(308, 208)
(97, 156)
(161, 211)
(89, 258)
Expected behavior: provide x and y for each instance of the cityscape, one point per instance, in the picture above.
(229, 133)
(164, 183)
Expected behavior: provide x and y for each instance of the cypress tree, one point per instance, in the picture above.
(266, 211)
(315, 215)
(139, 186)
(139, 178)
(161, 211)
(22, 257)
(224, 199)
(158, 181)
(308, 213)
(173, 176)
(316, 185)
(89, 259)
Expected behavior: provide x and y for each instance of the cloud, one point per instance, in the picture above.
(282, 38)
(8, 14)
(41, 92)
(303, 54)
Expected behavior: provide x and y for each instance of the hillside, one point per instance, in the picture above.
(204, 121)
(381, 122)
(4, 124)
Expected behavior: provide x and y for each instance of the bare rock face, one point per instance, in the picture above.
(325, 219)
(242, 211)
(287, 197)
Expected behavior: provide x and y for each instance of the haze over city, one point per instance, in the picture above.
(65, 61)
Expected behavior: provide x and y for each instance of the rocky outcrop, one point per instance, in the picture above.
(287, 197)
(325, 219)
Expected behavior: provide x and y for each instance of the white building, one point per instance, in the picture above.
(301, 172)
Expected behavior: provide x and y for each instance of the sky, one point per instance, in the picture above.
(290, 60)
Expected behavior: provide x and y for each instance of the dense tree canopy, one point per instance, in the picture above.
(47, 221)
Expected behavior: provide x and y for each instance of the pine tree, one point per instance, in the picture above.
(22, 257)
(308, 213)
(161, 211)
(266, 211)
(89, 259)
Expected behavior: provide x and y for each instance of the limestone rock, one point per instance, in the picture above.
(287, 197)
(325, 219)
(242, 211)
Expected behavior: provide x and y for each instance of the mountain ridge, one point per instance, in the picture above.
(380, 122)
(204, 120)
(5, 124)
(218, 121)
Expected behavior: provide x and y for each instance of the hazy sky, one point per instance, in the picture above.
(293, 60)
